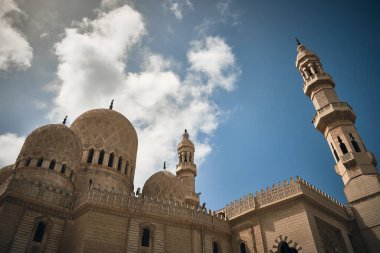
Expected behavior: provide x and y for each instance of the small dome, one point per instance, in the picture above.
(106, 129)
(53, 142)
(164, 185)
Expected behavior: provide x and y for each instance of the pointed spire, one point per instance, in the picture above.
(164, 165)
(64, 120)
(185, 135)
(111, 105)
(298, 42)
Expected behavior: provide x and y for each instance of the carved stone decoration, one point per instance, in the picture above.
(285, 239)
(331, 237)
(164, 185)
(54, 141)
(109, 130)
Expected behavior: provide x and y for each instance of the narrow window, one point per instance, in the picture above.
(90, 156)
(63, 169)
(101, 157)
(215, 247)
(110, 160)
(145, 237)
(354, 143)
(71, 174)
(39, 162)
(242, 248)
(40, 231)
(52, 165)
(309, 72)
(119, 163)
(342, 146)
(315, 69)
(27, 163)
(126, 167)
(335, 153)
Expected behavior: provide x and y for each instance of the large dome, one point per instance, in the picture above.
(164, 185)
(53, 142)
(106, 129)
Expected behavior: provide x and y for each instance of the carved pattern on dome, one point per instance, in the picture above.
(106, 129)
(50, 142)
(164, 185)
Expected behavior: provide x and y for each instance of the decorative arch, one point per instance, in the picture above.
(39, 236)
(146, 235)
(282, 240)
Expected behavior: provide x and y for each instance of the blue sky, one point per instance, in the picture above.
(223, 69)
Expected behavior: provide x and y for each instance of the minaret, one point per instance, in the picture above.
(186, 169)
(357, 166)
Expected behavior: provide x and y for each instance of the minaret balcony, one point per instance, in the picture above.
(333, 113)
(316, 80)
(186, 167)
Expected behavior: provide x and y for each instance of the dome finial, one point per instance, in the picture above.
(298, 42)
(111, 105)
(64, 120)
(164, 165)
(185, 135)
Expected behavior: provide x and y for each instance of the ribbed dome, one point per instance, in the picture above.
(164, 185)
(106, 129)
(53, 142)
(302, 52)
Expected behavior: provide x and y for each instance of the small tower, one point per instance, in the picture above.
(357, 166)
(186, 169)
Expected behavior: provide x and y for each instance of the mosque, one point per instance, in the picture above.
(71, 190)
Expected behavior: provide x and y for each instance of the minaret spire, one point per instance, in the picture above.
(111, 105)
(64, 120)
(357, 166)
(186, 168)
(298, 42)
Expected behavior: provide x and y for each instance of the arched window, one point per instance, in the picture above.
(39, 162)
(39, 233)
(110, 160)
(119, 163)
(215, 247)
(27, 163)
(101, 157)
(145, 237)
(90, 156)
(284, 248)
(63, 169)
(126, 167)
(354, 143)
(52, 165)
(335, 153)
(243, 247)
(342, 146)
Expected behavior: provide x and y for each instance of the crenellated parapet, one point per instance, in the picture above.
(174, 211)
(280, 192)
(20, 187)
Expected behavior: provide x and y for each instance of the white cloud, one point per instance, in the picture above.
(158, 101)
(14, 48)
(10, 146)
(177, 7)
(214, 59)
(44, 35)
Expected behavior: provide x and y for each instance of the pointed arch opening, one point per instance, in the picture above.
(63, 169)
(101, 157)
(27, 163)
(52, 165)
(40, 232)
(145, 237)
(110, 160)
(39, 162)
(90, 155)
(119, 163)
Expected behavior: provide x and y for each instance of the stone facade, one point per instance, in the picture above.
(71, 190)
